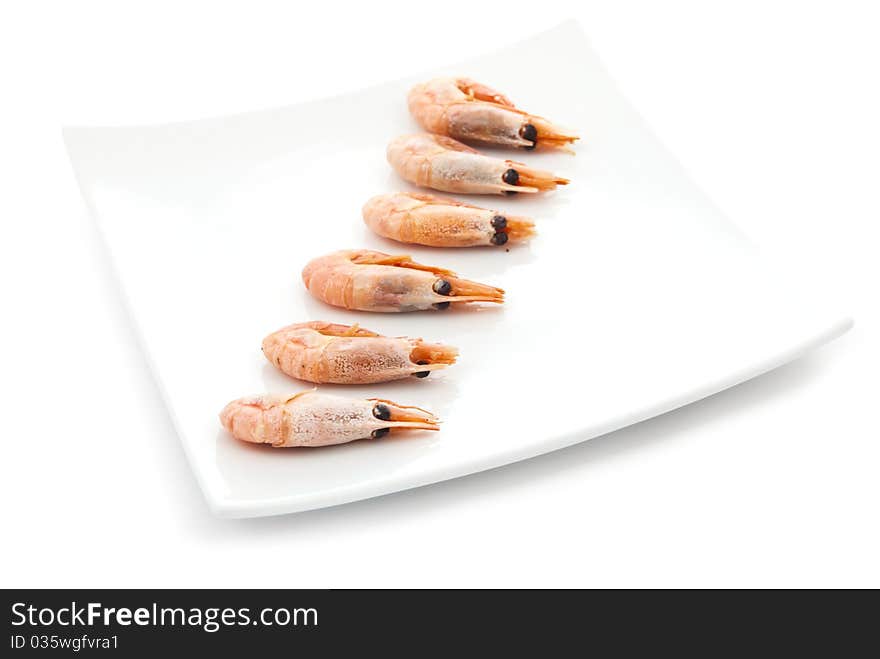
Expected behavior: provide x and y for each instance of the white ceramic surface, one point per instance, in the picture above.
(636, 297)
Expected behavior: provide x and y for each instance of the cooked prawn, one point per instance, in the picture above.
(310, 418)
(442, 163)
(372, 281)
(429, 220)
(349, 354)
(467, 110)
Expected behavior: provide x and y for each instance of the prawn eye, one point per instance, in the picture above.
(442, 287)
(379, 432)
(381, 411)
(511, 177)
(499, 238)
(440, 306)
(422, 374)
(499, 222)
(530, 133)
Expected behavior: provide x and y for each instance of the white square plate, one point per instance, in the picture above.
(636, 297)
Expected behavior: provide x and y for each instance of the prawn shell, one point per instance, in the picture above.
(471, 111)
(445, 164)
(433, 221)
(303, 352)
(310, 419)
(367, 280)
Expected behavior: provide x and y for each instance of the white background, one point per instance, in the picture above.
(773, 108)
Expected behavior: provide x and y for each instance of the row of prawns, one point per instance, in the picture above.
(452, 109)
